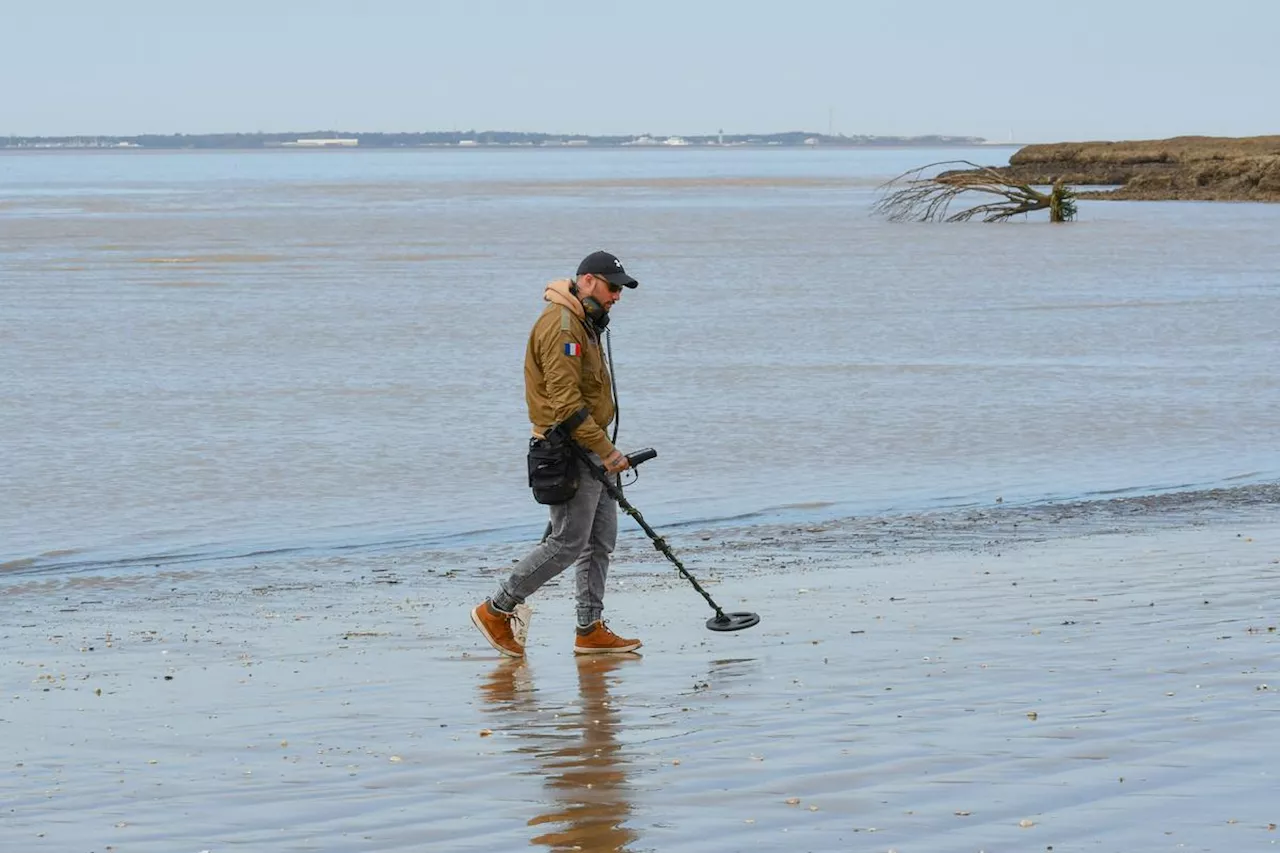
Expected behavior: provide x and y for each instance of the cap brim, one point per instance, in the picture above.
(618, 278)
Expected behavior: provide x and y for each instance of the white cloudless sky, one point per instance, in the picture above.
(1033, 71)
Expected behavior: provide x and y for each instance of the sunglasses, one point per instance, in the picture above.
(613, 288)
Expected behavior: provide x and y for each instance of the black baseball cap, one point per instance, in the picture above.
(608, 267)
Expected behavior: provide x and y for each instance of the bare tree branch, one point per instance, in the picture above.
(926, 195)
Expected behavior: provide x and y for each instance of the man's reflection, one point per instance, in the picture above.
(578, 755)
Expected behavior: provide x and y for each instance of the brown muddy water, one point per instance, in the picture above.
(221, 354)
(1003, 496)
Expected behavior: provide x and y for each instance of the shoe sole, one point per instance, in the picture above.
(475, 620)
(612, 650)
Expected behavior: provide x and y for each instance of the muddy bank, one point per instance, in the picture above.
(991, 528)
(973, 528)
(1098, 674)
(1200, 168)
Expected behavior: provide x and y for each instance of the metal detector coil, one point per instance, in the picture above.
(733, 621)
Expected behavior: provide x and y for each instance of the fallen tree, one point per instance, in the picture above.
(927, 195)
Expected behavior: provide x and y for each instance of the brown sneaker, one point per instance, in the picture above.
(599, 640)
(496, 627)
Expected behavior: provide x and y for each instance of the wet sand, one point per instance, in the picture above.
(1099, 676)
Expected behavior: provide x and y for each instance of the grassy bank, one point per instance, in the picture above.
(1185, 168)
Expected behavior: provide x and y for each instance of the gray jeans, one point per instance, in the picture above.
(583, 533)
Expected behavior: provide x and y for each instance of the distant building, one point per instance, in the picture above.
(324, 143)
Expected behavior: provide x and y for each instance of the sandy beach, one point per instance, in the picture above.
(1097, 676)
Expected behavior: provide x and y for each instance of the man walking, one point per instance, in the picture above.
(567, 384)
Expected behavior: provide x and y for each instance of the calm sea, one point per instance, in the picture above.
(222, 353)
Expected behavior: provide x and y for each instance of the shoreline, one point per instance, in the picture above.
(407, 149)
(940, 528)
(1054, 677)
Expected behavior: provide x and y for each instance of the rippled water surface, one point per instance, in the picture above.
(229, 352)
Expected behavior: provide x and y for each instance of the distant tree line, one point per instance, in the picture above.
(435, 138)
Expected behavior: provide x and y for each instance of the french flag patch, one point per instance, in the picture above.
(572, 349)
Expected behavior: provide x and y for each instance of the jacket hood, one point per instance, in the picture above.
(558, 293)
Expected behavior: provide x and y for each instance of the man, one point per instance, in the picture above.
(567, 382)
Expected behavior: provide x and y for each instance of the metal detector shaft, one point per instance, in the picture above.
(658, 542)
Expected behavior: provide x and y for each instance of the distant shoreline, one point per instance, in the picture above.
(314, 140)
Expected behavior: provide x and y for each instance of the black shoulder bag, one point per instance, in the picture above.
(553, 465)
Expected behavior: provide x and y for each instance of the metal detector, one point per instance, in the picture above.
(721, 621)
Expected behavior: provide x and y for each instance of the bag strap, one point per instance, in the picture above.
(566, 427)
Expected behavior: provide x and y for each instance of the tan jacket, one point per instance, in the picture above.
(564, 370)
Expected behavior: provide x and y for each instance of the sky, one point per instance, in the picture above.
(1028, 71)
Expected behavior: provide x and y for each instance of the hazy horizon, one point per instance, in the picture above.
(351, 131)
(999, 70)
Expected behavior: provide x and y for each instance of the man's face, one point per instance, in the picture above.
(602, 290)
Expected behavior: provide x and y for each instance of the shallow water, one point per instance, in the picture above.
(223, 353)
(1061, 690)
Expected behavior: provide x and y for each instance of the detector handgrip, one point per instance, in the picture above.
(643, 455)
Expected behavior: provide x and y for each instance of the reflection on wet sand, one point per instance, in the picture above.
(576, 752)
